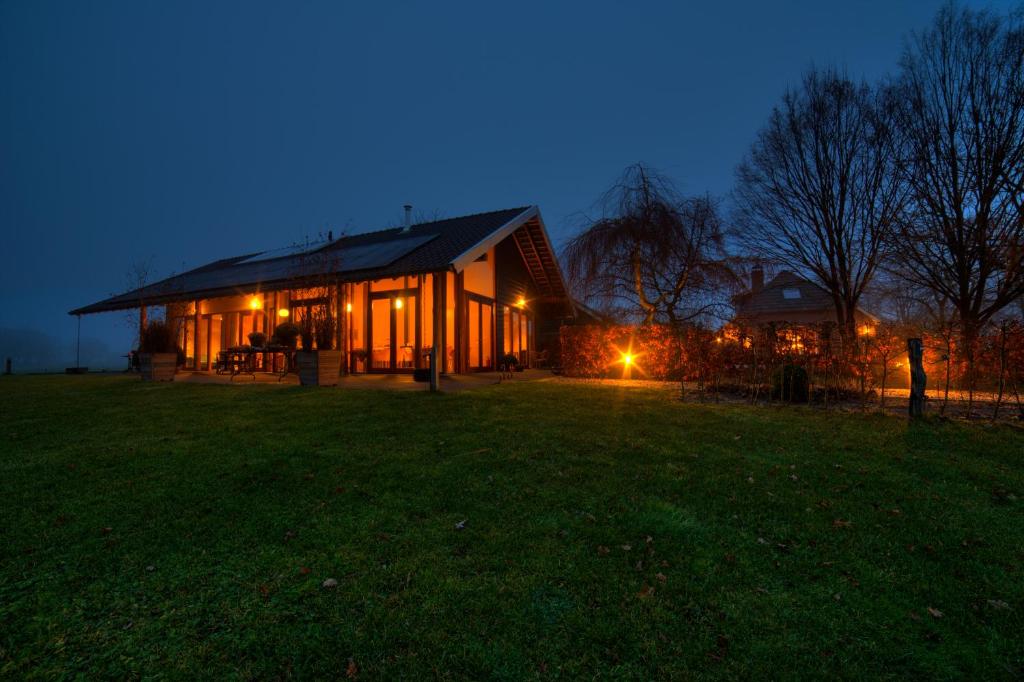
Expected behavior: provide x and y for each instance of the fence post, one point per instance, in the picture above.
(918, 378)
(7, 367)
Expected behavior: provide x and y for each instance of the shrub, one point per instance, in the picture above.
(158, 337)
(323, 330)
(789, 383)
(285, 334)
(258, 339)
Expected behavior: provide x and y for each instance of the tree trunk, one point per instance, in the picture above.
(1002, 370)
(918, 379)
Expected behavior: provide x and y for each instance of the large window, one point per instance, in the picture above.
(449, 322)
(517, 332)
(393, 321)
(479, 324)
(357, 327)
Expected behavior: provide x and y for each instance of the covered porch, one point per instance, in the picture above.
(393, 382)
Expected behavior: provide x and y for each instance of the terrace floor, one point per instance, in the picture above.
(398, 382)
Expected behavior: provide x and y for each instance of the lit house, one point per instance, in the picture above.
(478, 287)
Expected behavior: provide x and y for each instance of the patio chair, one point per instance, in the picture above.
(223, 363)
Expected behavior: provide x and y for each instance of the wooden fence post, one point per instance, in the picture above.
(918, 378)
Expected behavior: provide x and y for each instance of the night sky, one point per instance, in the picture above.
(178, 133)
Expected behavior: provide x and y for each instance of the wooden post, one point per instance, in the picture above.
(918, 379)
(438, 321)
(142, 322)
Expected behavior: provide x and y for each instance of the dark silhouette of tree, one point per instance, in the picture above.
(652, 255)
(959, 103)
(817, 193)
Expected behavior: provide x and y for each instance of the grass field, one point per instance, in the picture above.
(523, 530)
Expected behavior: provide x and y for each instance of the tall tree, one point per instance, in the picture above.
(817, 192)
(959, 102)
(651, 254)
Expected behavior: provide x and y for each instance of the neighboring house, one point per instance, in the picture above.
(788, 299)
(479, 286)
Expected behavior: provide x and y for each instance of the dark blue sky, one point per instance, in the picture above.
(184, 132)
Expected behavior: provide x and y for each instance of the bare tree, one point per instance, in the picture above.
(818, 192)
(136, 278)
(651, 255)
(959, 104)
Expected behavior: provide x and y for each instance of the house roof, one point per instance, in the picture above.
(448, 244)
(785, 295)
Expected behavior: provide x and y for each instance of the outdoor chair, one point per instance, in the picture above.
(223, 364)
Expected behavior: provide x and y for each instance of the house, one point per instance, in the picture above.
(478, 287)
(788, 299)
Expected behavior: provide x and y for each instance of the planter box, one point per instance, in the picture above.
(319, 367)
(158, 366)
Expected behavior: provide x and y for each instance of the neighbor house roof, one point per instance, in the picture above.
(448, 244)
(785, 298)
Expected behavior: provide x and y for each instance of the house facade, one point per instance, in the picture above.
(476, 287)
(788, 299)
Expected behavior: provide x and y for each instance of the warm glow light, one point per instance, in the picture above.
(629, 361)
(521, 302)
(348, 307)
(398, 303)
(866, 330)
(255, 303)
(283, 312)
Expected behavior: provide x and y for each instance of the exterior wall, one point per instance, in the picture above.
(517, 306)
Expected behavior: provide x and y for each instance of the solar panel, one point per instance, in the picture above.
(293, 250)
(379, 254)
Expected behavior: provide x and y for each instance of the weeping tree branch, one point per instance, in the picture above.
(652, 255)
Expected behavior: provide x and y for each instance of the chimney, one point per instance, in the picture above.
(756, 279)
(408, 218)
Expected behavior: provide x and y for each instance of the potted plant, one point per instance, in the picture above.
(257, 339)
(322, 366)
(158, 352)
(285, 335)
(510, 362)
(358, 356)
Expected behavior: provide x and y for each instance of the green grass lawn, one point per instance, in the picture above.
(186, 531)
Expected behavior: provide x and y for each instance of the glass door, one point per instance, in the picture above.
(394, 317)
(480, 322)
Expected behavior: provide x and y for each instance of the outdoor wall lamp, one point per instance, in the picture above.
(283, 312)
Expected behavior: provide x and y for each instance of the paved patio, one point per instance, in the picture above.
(396, 382)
